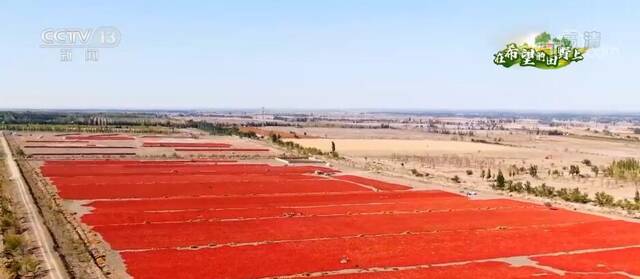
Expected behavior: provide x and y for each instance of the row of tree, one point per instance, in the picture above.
(566, 194)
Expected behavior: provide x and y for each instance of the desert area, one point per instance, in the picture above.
(445, 156)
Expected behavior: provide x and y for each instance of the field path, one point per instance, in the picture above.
(41, 234)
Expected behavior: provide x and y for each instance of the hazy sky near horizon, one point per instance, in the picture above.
(317, 54)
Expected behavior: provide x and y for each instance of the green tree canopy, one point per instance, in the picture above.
(543, 38)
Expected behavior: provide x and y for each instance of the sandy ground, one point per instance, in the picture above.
(388, 147)
(340, 133)
(444, 156)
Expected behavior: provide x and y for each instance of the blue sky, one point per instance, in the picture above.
(317, 54)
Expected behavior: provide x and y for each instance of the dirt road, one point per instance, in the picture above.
(50, 258)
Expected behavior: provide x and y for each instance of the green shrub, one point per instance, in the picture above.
(14, 244)
(604, 199)
(24, 267)
(533, 170)
(544, 191)
(8, 222)
(527, 188)
(573, 195)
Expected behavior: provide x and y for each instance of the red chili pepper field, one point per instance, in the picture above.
(217, 219)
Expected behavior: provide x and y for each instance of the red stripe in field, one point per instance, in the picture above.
(325, 255)
(168, 136)
(177, 172)
(380, 185)
(221, 149)
(84, 192)
(79, 146)
(99, 137)
(81, 153)
(106, 216)
(185, 144)
(88, 166)
(89, 169)
(625, 260)
(210, 168)
(114, 162)
(56, 141)
(171, 178)
(162, 235)
(437, 199)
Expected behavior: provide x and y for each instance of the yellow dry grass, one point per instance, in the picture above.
(384, 147)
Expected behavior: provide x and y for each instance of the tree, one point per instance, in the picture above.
(574, 170)
(274, 137)
(482, 174)
(595, 170)
(489, 174)
(533, 170)
(333, 147)
(637, 197)
(627, 169)
(500, 181)
(543, 38)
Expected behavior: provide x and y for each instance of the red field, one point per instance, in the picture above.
(221, 149)
(98, 137)
(625, 260)
(58, 141)
(78, 146)
(202, 147)
(82, 153)
(185, 144)
(372, 182)
(216, 219)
